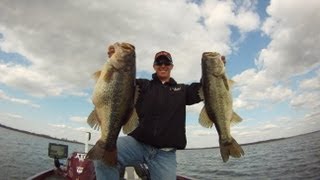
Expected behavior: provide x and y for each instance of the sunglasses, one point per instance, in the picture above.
(162, 62)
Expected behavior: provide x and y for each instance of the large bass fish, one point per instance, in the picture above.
(113, 98)
(217, 108)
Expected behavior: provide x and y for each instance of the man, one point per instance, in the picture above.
(161, 108)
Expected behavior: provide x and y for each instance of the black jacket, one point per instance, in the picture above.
(162, 112)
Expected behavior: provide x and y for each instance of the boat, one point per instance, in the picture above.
(77, 167)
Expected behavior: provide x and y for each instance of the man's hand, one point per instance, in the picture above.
(110, 50)
(223, 58)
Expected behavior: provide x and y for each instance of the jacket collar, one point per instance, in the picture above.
(171, 81)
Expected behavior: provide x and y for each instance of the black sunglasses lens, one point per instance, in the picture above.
(160, 63)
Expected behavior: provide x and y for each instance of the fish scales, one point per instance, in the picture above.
(217, 104)
(115, 109)
(118, 110)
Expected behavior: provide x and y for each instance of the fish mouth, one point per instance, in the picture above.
(123, 48)
(210, 54)
(127, 46)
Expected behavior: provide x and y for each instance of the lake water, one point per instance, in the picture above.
(24, 155)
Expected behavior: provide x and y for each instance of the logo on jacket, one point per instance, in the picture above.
(175, 88)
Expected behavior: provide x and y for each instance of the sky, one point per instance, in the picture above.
(50, 49)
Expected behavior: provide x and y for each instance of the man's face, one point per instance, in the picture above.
(163, 68)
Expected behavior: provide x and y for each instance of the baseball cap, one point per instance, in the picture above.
(164, 54)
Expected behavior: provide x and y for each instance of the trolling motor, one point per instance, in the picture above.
(57, 163)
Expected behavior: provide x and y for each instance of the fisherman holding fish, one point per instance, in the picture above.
(153, 115)
(161, 112)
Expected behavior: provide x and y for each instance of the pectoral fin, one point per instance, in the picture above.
(132, 121)
(204, 119)
(108, 76)
(93, 120)
(231, 83)
(235, 119)
(131, 124)
(96, 75)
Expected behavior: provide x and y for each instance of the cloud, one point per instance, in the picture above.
(313, 116)
(10, 116)
(64, 46)
(255, 89)
(307, 95)
(239, 103)
(196, 108)
(72, 133)
(34, 82)
(268, 127)
(246, 19)
(311, 84)
(3, 96)
(203, 133)
(83, 129)
(292, 52)
(294, 37)
(59, 125)
(78, 119)
(305, 100)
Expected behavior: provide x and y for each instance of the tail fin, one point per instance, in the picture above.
(99, 152)
(230, 149)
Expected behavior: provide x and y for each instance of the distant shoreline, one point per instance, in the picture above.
(258, 142)
(41, 135)
(76, 142)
